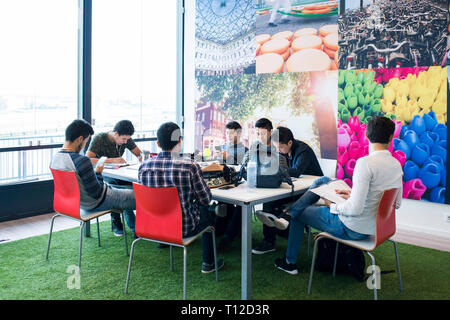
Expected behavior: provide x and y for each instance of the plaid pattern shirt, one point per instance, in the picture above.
(186, 175)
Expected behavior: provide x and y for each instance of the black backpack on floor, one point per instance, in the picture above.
(349, 260)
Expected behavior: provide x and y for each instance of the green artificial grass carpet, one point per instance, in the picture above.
(25, 274)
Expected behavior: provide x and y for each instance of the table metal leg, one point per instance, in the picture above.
(246, 277)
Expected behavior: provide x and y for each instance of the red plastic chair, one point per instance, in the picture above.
(158, 219)
(385, 228)
(66, 203)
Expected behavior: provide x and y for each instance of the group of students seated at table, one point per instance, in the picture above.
(353, 219)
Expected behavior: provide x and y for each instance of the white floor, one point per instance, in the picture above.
(38, 225)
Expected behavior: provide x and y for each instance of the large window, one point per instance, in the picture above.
(38, 69)
(38, 80)
(134, 49)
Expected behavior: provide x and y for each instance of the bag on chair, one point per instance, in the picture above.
(349, 260)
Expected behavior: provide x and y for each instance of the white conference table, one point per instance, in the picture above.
(242, 196)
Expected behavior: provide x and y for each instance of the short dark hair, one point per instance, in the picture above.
(380, 129)
(264, 123)
(124, 128)
(233, 125)
(77, 129)
(168, 135)
(283, 134)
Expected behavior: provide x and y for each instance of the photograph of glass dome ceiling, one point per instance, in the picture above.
(225, 37)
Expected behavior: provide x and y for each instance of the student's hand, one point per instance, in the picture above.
(140, 157)
(327, 202)
(343, 193)
(99, 169)
(116, 160)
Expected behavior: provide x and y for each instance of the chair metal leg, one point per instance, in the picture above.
(335, 259)
(81, 245)
(129, 263)
(98, 233)
(313, 262)
(171, 258)
(398, 266)
(50, 236)
(215, 254)
(309, 239)
(125, 234)
(374, 275)
(184, 271)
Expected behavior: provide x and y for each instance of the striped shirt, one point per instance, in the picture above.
(186, 176)
(92, 187)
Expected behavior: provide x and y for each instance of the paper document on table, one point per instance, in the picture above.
(328, 191)
(115, 165)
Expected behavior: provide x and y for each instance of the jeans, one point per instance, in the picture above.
(207, 218)
(128, 214)
(319, 217)
(120, 198)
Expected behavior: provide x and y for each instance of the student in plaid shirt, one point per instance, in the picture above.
(168, 170)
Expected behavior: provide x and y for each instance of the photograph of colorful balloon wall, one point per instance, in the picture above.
(224, 37)
(296, 36)
(294, 100)
(416, 100)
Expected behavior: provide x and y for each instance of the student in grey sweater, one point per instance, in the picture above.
(95, 194)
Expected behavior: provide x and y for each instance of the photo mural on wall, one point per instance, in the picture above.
(294, 100)
(296, 36)
(224, 37)
(416, 100)
(392, 61)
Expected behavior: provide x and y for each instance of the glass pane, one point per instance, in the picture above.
(133, 64)
(38, 77)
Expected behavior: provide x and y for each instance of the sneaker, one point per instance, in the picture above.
(266, 218)
(282, 223)
(271, 220)
(162, 245)
(117, 227)
(224, 244)
(282, 264)
(271, 24)
(209, 267)
(264, 247)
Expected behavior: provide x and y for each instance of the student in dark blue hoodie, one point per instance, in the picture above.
(301, 159)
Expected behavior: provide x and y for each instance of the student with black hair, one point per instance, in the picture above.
(233, 151)
(95, 194)
(112, 145)
(301, 159)
(355, 218)
(168, 169)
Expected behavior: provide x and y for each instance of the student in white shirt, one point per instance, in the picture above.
(353, 219)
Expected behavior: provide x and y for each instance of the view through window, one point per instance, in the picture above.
(38, 81)
(134, 64)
